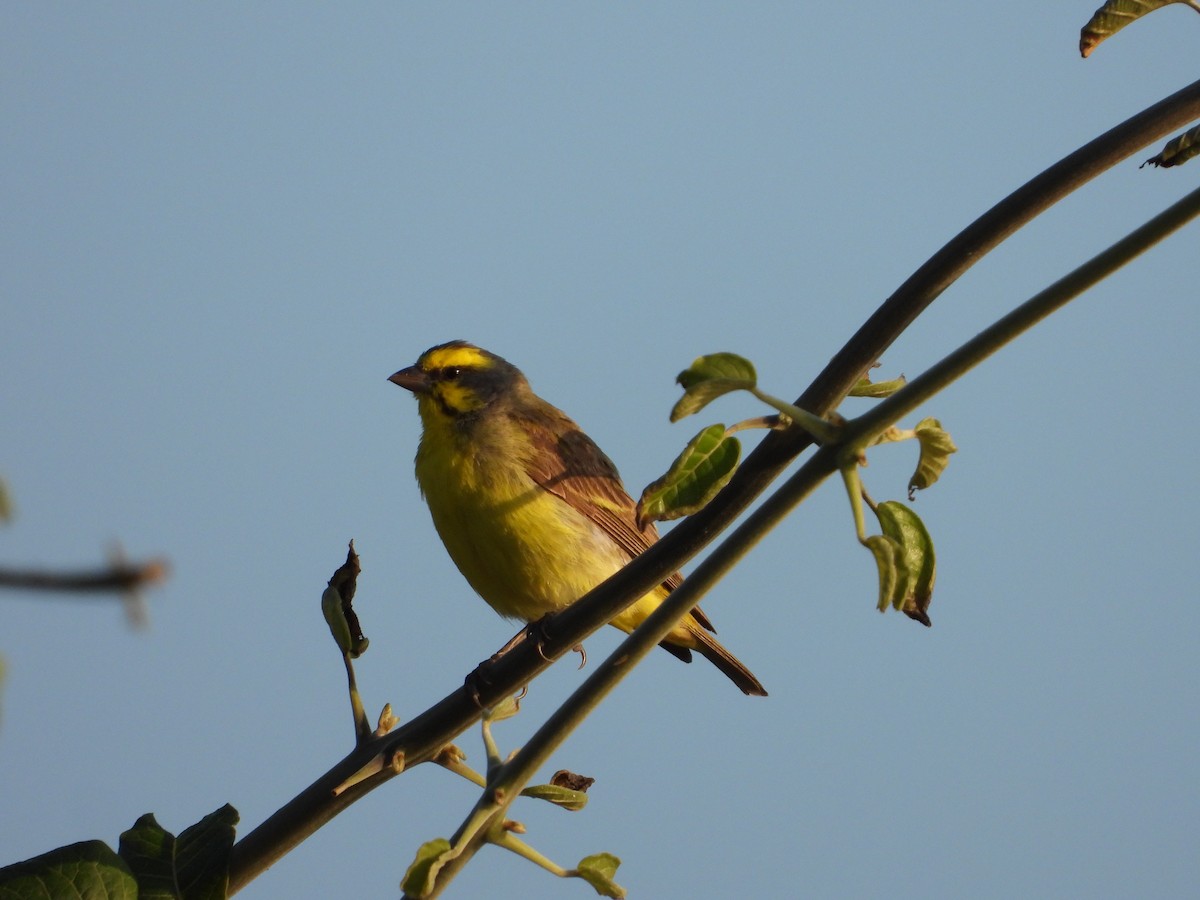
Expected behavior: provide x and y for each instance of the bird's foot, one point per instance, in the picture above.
(539, 634)
(478, 681)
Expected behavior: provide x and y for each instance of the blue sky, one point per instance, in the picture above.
(227, 225)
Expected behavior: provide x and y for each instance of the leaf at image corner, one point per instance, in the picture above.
(1115, 15)
(697, 474)
(204, 851)
(1177, 150)
(710, 377)
(87, 869)
(149, 851)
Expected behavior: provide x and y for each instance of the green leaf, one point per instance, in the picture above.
(936, 448)
(698, 473)
(890, 561)
(905, 527)
(88, 869)
(193, 866)
(598, 871)
(1115, 15)
(877, 389)
(559, 796)
(335, 618)
(203, 855)
(708, 378)
(418, 880)
(337, 604)
(149, 850)
(1178, 150)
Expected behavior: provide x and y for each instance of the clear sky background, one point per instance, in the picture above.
(225, 225)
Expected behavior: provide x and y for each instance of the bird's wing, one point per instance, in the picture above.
(568, 464)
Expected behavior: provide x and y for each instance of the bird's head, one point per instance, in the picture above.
(458, 380)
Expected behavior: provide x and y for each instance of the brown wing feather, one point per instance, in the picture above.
(567, 463)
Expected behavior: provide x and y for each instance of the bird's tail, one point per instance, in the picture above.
(710, 648)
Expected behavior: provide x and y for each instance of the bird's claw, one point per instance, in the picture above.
(478, 680)
(539, 634)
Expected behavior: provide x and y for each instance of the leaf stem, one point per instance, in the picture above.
(853, 483)
(452, 763)
(510, 841)
(824, 431)
(362, 728)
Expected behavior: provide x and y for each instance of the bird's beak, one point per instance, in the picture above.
(411, 379)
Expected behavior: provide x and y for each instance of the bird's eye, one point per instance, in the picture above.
(451, 373)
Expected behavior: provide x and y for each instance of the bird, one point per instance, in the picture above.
(530, 509)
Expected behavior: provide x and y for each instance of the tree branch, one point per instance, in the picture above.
(118, 577)
(420, 739)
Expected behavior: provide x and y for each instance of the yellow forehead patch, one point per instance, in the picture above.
(464, 356)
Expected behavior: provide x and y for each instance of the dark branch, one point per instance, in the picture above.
(420, 739)
(116, 578)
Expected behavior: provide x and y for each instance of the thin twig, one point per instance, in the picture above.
(111, 579)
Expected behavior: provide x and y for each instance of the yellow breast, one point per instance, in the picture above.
(524, 550)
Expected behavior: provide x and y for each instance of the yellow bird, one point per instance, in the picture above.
(530, 509)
